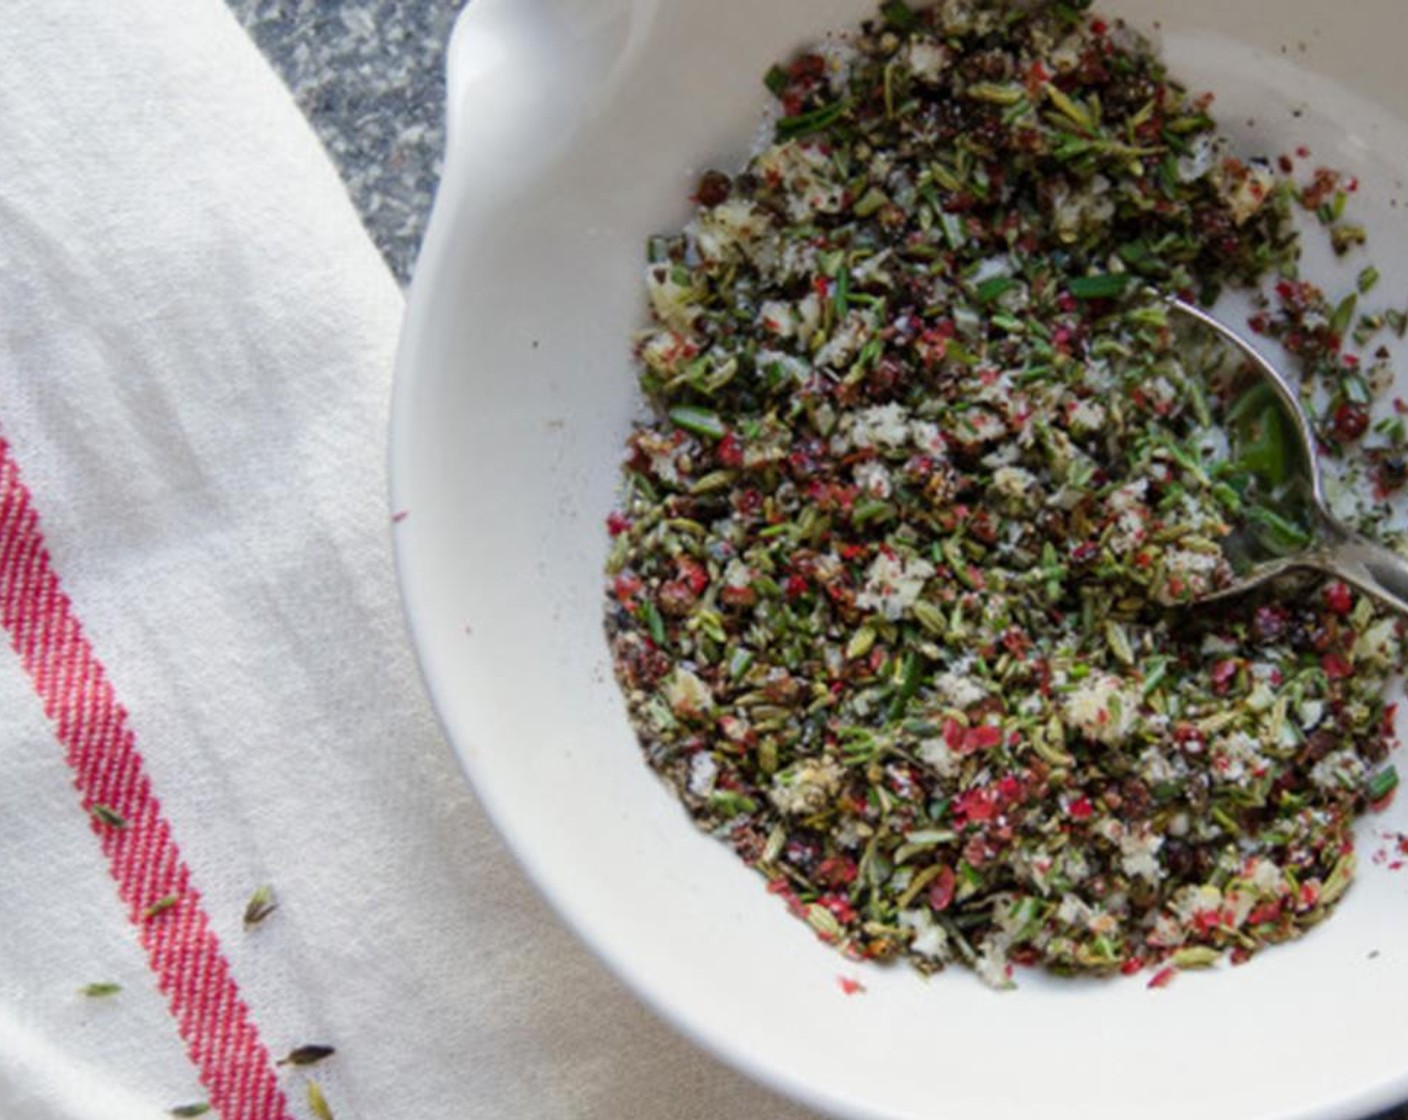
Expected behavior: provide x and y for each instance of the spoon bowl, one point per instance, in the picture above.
(1289, 526)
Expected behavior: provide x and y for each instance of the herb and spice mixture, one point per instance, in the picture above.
(895, 592)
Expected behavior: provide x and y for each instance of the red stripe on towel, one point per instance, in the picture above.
(152, 881)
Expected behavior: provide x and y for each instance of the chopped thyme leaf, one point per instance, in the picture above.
(989, 291)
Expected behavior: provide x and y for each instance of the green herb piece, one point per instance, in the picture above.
(1078, 115)
(899, 15)
(1016, 111)
(1281, 536)
(1367, 280)
(657, 250)
(1072, 148)
(995, 93)
(1381, 784)
(1106, 286)
(1118, 638)
(815, 120)
(161, 905)
(861, 643)
(654, 623)
(108, 816)
(989, 291)
(871, 509)
(1070, 13)
(953, 229)
(199, 1108)
(909, 685)
(260, 905)
(1267, 454)
(841, 297)
(1339, 880)
(100, 990)
(1137, 255)
(776, 80)
(699, 421)
(317, 1102)
(731, 804)
(1345, 237)
(1196, 956)
(1393, 429)
(1344, 315)
(1333, 211)
(870, 202)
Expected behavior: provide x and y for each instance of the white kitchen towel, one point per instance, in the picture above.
(205, 685)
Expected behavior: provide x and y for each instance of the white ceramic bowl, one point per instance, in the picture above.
(577, 127)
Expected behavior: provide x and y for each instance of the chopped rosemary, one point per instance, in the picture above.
(1104, 286)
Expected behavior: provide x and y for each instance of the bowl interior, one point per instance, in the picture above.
(578, 128)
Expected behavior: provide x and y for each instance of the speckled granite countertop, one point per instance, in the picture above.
(369, 75)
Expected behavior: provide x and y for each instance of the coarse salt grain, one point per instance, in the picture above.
(893, 584)
(1102, 708)
(703, 771)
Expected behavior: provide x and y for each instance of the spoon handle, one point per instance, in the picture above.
(1369, 566)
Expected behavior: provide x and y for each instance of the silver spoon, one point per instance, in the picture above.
(1332, 547)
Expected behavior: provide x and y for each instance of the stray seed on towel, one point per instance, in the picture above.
(108, 816)
(306, 1055)
(317, 1103)
(261, 904)
(161, 905)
